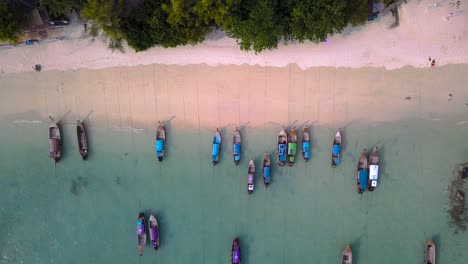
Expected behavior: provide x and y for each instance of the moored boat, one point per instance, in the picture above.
(236, 146)
(347, 257)
(141, 233)
(55, 141)
(251, 177)
(292, 147)
(336, 149)
(216, 147)
(430, 253)
(82, 139)
(362, 172)
(266, 169)
(235, 252)
(153, 231)
(306, 144)
(373, 169)
(282, 147)
(160, 141)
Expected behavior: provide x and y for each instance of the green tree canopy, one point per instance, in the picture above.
(315, 20)
(147, 26)
(105, 16)
(11, 19)
(60, 7)
(258, 25)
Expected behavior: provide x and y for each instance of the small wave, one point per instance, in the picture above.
(27, 122)
(462, 123)
(128, 129)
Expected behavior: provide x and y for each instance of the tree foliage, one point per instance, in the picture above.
(105, 16)
(59, 7)
(257, 26)
(11, 19)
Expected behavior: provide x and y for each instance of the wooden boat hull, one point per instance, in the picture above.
(266, 169)
(336, 149)
(55, 142)
(251, 177)
(160, 142)
(236, 146)
(374, 162)
(282, 148)
(362, 172)
(82, 140)
(347, 257)
(153, 232)
(306, 144)
(216, 148)
(141, 233)
(430, 253)
(292, 147)
(235, 252)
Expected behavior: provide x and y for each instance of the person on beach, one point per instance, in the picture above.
(433, 63)
(450, 97)
(407, 98)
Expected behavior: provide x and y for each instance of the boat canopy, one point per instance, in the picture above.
(236, 150)
(282, 152)
(216, 140)
(336, 149)
(266, 171)
(306, 149)
(363, 176)
(159, 145)
(251, 178)
(215, 151)
(140, 228)
(236, 256)
(292, 148)
(374, 172)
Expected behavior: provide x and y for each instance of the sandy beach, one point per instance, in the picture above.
(210, 97)
(423, 32)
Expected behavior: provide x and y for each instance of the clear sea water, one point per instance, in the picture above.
(85, 211)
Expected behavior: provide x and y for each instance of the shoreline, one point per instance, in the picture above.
(423, 32)
(202, 96)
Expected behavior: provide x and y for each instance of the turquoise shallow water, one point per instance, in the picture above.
(85, 212)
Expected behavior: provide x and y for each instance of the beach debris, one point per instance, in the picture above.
(407, 98)
(456, 209)
(438, 4)
(455, 4)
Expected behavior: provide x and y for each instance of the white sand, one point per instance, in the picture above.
(423, 32)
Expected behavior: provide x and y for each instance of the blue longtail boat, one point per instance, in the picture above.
(236, 146)
(282, 147)
(362, 172)
(216, 147)
(266, 169)
(306, 144)
(336, 149)
(160, 141)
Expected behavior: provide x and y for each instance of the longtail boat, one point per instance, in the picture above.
(266, 169)
(153, 231)
(282, 147)
(160, 141)
(306, 144)
(373, 169)
(235, 252)
(141, 233)
(292, 147)
(216, 147)
(362, 172)
(347, 257)
(236, 146)
(336, 149)
(82, 139)
(430, 253)
(55, 141)
(251, 177)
